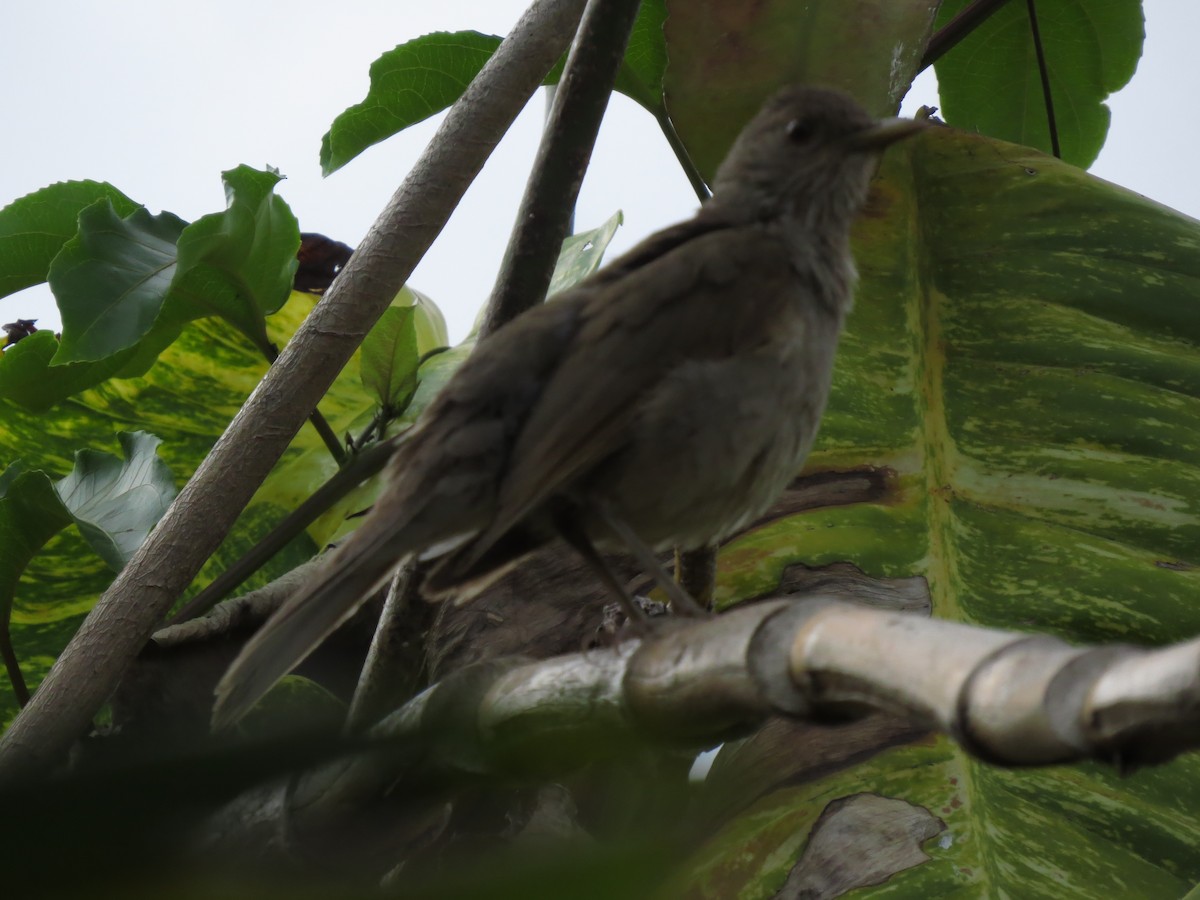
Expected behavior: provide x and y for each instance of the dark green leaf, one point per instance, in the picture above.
(990, 82)
(28, 378)
(388, 364)
(111, 278)
(424, 76)
(408, 84)
(131, 284)
(115, 502)
(30, 514)
(641, 74)
(238, 264)
(34, 228)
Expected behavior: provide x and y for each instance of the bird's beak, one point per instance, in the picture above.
(885, 132)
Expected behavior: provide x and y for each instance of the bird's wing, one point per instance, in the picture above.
(540, 402)
(442, 485)
(351, 573)
(711, 296)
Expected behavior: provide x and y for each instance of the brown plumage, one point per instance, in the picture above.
(680, 387)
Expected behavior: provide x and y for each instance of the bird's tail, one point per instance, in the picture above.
(350, 575)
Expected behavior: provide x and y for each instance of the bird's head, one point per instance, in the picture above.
(810, 152)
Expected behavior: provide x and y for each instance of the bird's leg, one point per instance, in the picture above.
(696, 571)
(568, 527)
(681, 601)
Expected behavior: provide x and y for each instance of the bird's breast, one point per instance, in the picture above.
(717, 441)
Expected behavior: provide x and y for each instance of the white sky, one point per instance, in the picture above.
(159, 98)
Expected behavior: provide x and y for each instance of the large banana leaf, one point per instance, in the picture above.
(1024, 356)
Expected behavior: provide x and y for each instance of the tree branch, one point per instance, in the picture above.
(205, 510)
(562, 159)
(950, 35)
(393, 667)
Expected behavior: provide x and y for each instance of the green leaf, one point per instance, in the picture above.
(990, 82)
(429, 321)
(641, 74)
(433, 375)
(115, 502)
(34, 228)
(408, 84)
(127, 287)
(110, 280)
(582, 254)
(411, 328)
(424, 76)
(388, 363)
(870, 48)
(239, 264)
(30, 514)
(28, 378)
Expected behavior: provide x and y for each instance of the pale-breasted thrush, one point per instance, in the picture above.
(672, 394)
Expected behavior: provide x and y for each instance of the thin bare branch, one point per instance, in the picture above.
(562, 159)
(396, 656)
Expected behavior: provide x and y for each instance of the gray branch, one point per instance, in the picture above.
(546, 209)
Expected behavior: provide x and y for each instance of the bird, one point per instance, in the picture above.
(664, 401)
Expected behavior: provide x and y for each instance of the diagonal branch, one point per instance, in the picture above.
(205, 510)
(953, 32)
(543, 220)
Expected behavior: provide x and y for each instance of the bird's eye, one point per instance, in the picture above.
(798, 130)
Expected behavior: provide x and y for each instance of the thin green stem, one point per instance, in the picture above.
(681, 154)
(12, 664)
(1044, 73)
(361, 467)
